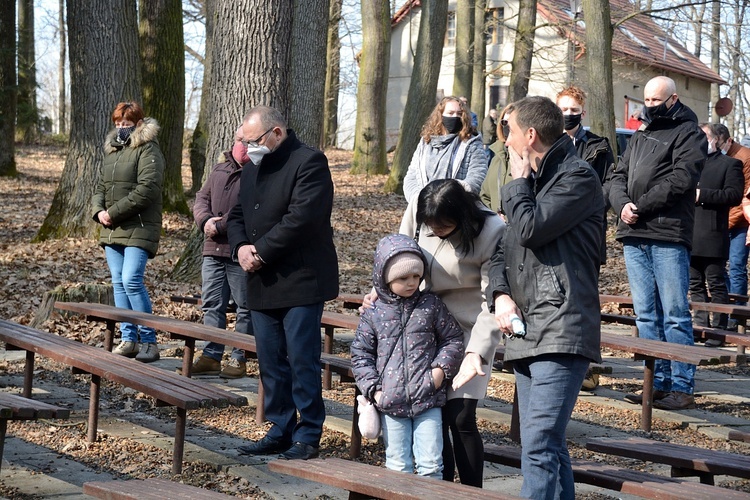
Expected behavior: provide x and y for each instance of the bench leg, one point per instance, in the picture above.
(355, 448)
(260, 406)
(3, 429)
(96, 382)
(515, 420)
(704, 477)
(187, 357)
(28, 374)
(109, 335)
(179, 440)
(328, 349)
(648, 393)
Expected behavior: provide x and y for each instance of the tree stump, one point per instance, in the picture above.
(96, 293)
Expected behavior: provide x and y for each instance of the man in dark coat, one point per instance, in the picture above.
(719, 189)
(652, 189)
(280, 233)
(546, 271)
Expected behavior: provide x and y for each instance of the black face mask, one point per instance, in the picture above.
(123, 134)
(572, 121)
(452, 124)
(651, 112)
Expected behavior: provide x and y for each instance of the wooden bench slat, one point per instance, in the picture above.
(620, 479)
(676, 455)
(148, 489)
(378, 482)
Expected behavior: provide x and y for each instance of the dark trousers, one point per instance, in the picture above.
(708, 270)
(288, 343)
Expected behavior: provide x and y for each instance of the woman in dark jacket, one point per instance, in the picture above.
(127, 203)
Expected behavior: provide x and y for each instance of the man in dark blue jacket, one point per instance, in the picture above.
(280, 233)
(652, 190)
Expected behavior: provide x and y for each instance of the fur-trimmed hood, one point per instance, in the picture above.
(147, 131)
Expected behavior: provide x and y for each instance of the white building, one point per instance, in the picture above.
(640, 50)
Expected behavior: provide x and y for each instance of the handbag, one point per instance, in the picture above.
(369, 418)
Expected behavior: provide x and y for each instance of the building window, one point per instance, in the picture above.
(493, 26)
(450, 32)
(668, 45)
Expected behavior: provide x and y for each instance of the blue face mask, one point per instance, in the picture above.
(123, 134)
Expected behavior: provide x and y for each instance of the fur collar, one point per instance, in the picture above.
(145, 132)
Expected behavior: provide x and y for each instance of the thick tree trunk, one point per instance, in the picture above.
(240, 79)
(8, 89)
(523, 50)
(163, 72)
(601, 101)
(27, 114)
(422, 88)
(369, 134)
(94, 293)
(478, 88)
(462, 75)
(715, 46)
(101, 75)
(333, 62)
(200, 135)
(62, 123)
(308, 69)
(736, 51)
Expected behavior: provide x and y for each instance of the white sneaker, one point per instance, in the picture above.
(127, 349)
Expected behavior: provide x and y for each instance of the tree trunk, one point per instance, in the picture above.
(163, 73)
(94, 293)
(523, 50)
(333, 62)
(27, 114)
(200, 134)
(601, 101)
(369, 134)
(8, 89)
(736, 50)
(101, 75)
(462, 75)
(420, 100)
(62, 124)
(478, 87)
(308, 69)
(715, 58)
(240, 79)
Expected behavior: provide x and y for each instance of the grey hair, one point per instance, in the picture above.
(269, 117)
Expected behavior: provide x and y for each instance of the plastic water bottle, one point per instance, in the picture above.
(519, 329)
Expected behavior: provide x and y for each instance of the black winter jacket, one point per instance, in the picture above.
(284, 209)
(548, 259)
(658, 173)
(721, 187)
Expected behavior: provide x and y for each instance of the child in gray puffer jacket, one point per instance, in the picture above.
(406, 348)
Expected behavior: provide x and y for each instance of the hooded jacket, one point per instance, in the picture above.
(658, 173)
(446, 157)
(130, 189)
(548, 260)
(216, 198)
(400, 340)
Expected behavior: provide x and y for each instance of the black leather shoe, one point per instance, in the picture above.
(300, 451)
(265, 446)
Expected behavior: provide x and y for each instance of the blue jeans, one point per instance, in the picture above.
(547, 387)
(738, 252)
(659, 276)
(224, 279)
(288, 343)
(127, 266)
(417, 439)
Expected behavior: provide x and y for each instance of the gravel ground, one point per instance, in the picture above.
(361, 216)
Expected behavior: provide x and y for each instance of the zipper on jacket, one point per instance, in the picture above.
(140, 220)
(405, 358)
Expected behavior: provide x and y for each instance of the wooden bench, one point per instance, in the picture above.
(685, 461)
(369, 481)
(627, 481)
(167, 388)
(649, 351)
(148, 489)
(15, 407)
(196, 300)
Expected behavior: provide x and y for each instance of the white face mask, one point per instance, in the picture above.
(711, 147)
(257, 153)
